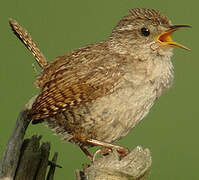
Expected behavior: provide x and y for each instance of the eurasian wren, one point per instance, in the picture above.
(96, 94)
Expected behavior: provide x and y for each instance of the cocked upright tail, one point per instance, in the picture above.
(27, 40)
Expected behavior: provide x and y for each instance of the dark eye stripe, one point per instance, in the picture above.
(145, 32)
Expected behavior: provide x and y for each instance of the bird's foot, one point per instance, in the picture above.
(107, 148)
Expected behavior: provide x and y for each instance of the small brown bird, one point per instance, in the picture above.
(95, 95)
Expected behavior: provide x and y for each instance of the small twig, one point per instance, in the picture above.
(53, 165)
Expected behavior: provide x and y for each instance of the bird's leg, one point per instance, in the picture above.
(121, 150)
(90, 157)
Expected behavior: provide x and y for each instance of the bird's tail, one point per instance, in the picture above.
(25, 37)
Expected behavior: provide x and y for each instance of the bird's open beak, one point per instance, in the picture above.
(165, 37)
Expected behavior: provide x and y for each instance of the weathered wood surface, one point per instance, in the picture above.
(33, 161)
(11, 153)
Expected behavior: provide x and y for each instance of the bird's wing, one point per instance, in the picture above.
(74, 84)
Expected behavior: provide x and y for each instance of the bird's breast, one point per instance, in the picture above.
(110, 117)
(117, 113)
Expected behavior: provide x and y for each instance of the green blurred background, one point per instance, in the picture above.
(170, 130)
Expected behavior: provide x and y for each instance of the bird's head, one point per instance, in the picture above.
(146, 31)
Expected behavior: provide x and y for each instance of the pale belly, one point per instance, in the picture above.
(108, 118)
(117, 115)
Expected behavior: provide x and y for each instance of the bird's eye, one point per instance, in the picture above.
(145, 31)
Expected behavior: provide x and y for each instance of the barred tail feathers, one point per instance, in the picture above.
(27, 40)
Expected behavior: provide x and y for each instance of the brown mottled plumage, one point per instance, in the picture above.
(95, 95)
